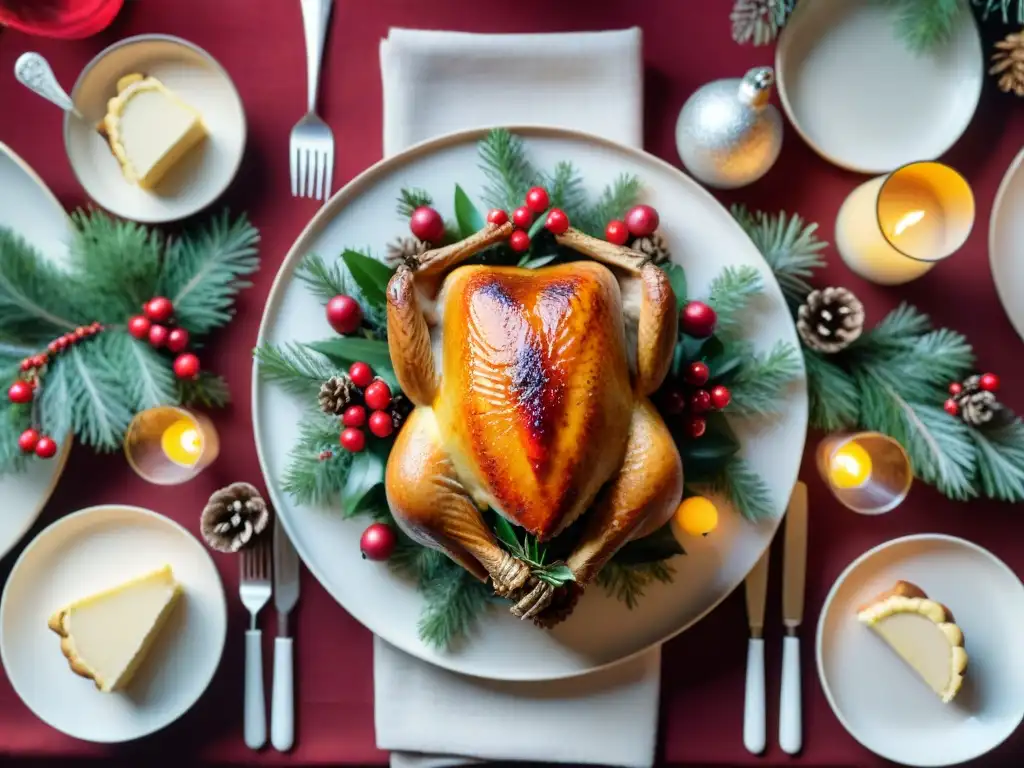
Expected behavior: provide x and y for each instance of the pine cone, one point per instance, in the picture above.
(655, 248)
(405, 250)
(233, 517)
(830, 320)
(401, 407)
(978, 407)
(1008, 63)
(337, 394)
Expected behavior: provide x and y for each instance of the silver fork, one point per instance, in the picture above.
(311, 149)
(255, 593)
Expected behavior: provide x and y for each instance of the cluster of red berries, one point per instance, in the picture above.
(55, 347)
(987, 382)
(153, 326)
(694, 401)
(377, 396)
(640, 221)
(537, 202)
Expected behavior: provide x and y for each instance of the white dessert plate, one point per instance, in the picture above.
(84, 553)
(203, 174)
(1005, 234)
(601, 631)
(28, 207)
(879, 699)
(860, 98)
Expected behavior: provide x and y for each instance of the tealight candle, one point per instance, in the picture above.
(895, 228)
(168, 445)
(850, 466)
(182, 443)
(867, 472)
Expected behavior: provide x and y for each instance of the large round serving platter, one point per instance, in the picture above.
(703, 238)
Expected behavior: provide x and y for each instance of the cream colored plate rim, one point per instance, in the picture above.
(1012, 306)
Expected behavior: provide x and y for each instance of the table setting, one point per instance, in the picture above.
(431, 386)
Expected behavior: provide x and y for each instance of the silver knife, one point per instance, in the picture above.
(286, 594)
(794, 570)
(754, 736)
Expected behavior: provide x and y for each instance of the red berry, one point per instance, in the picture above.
(53, 347)
(377, 395)
(63, 342)
(557, 221)
(522, 217)
(381, 424)
(344, 314)
(989, 382)
(697, 319)
(158, 335)
(700, 401)
(20, 392)
(46, 448)
(720, 397)
(28, 439)
(26, 364)
(39, 361)
(675, 402)
(642, 220)
(696, 426)
(138, 326)
(354, 416)
(186, 366)
(956, 388)
(497, 217)
(159, 310)
(378, 542)
(352, 439)
(177, 340)
(697, 374)
(361, 374)
(519, 241)
(951, 407)
(427, 225)
(537, 200)
(81, 332)
(616, 232)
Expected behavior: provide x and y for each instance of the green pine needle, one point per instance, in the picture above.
(99, 408)
(296, 368)
(566, 190)
(453, 601)
(411, 198)
(832, 394)
(208, 390)
(617, 198)
(509, 173)
(762, 380)
(55, 400)
(308, 479)
(14, 419)
(1003, 6)
(325, 281)
(925, 24)
(627, 583)
(1001, 461)
(151, 382)
(37, 301)
(730, 293)
(746, 490)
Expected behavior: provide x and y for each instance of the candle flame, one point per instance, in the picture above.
(907, 220)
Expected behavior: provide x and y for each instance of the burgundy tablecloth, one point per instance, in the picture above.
(686, 44)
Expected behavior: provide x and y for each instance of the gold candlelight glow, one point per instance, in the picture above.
(867, 472)
(168, 445)
(850, 466)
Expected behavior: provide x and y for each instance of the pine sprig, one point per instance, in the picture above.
(324, 280)
(627, 582)
(452, 604)
(99, 409)
(762, 380)
(308, 479)
(411, 198)
(14, 419)
(509, 173)
(566, 188)
(1003, 7)
(925, 24)
(152, 382)
(208, 390)
(617, 198)
(1001, 461)
(37, 301)
(746, 490)
(295, 367)
(730, 293)
(831, 392)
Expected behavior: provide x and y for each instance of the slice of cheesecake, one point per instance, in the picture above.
(106, 636)
(923, 633)
(149, 129)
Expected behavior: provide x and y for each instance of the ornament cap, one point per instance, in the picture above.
(756, 86)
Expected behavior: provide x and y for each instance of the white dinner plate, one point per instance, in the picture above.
(1005, 235)
(879, 699)
(203, 174)
(704, 238)
(860, 98)
(28, 207)
(84, 553)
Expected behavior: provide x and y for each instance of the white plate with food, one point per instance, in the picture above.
(1005, 234)
(861, 98)
(118, 598)
(173, 129)
(602, 631)
(914, 650)
(29, 209)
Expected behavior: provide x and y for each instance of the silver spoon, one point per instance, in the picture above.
(35, 73)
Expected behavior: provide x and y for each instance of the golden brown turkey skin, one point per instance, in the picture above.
(535, 400)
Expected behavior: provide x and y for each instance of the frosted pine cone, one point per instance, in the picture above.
(654, 247)
(830, 320)
(978, 407)
(405, 250)
(1008, 63)
(337, 394)
(233, 517)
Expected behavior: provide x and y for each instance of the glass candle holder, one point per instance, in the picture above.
(867, 472)
(894, 228)
(168, 445)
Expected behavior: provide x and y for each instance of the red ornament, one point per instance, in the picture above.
(28, 439)
(697, 374)
(138, 326)
(352, 439)
(427, 225)
(378, 542)
(696, 427)
(361, 374)
(344, 314)
(557, 221)
(159, 310)
(186, 366)
(519, 241)
(616, 232)
(700, 401)
(642, 220)
(522, 217)
(158, 335)
(377, 395)
(354, 416)
(46, 448)
(697, 319)
(537, 200)
(20, 392)
(951, 407)
(675, 402)
(720, 397)
(956, 388)
(989, 382)
(497, 217)
(177, 340)
(381, 424)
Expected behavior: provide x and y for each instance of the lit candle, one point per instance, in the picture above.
(867, 472)
(850, 466)
(167, 445)
(182, 442)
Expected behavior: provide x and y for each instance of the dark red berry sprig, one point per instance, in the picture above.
(536, 203)
(154, 326)
(639, 221)
(377, 412)
(692, 401)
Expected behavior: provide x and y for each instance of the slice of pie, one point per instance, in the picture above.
(106, 636)
(923, 633)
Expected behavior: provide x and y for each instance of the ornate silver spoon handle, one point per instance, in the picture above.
(34, 72)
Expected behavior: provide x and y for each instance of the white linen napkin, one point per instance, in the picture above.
(435, 83)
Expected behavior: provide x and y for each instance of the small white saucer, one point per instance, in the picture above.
(202, 175)
(880, 700)
(84, 553)
(861, 99)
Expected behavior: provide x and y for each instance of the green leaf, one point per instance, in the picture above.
(660, 545)
(540, 261)
(370, 275)
(556, 574)
(469, 218)
(346, 350)
(713, 446)
(506, 534)
(364, 474)
(677, 279)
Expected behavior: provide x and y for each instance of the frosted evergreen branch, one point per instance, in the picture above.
(762, 380)
(36, 301)
(627, 583)
(99, 413)
(55, 400)
(730, 293)
(296, 368)
(832, 394)
(453, 602)
(14, 419)
(1001, 461)
(149, 381)
(308, 479)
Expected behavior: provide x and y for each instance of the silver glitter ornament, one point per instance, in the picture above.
(728, 135)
